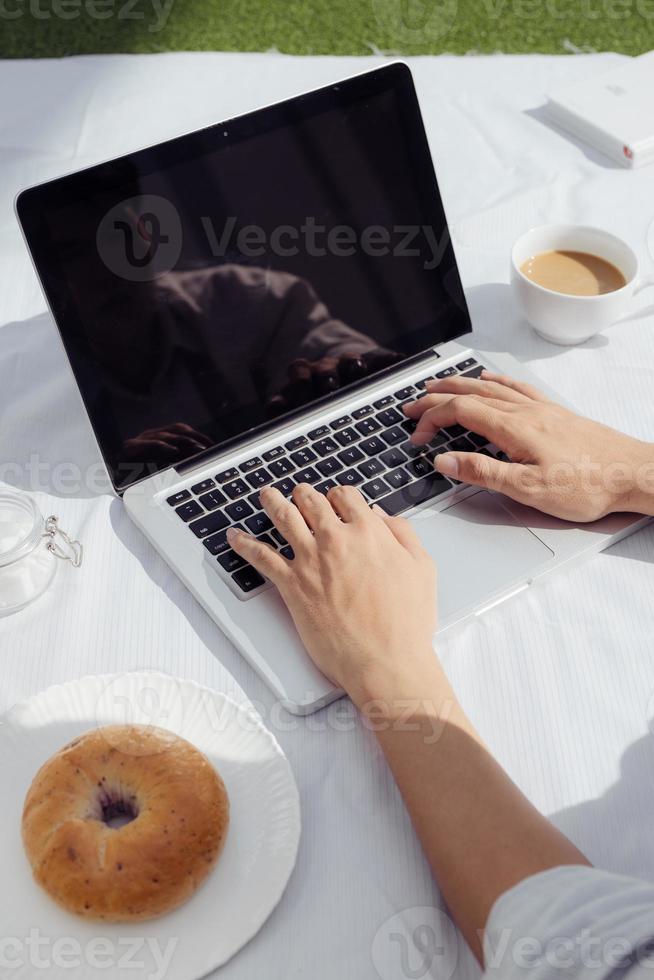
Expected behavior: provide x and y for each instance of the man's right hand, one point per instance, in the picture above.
(560, 463)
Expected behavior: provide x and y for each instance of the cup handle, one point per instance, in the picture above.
(645, 282)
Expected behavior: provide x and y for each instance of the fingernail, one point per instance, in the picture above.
(407, 405)
(233, 533)
(378, 510)
(448, 465)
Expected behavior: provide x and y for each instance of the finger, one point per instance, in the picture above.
(414, 410)
(529, 391)
(479, 415)
(475, 386)
(265, 559)
(314, 508)
(484, 471)
(348, 503)
(286, 518)
(401, 530)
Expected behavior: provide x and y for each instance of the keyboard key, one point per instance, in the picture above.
(383, 402)
(415, 493)
(230, 561)
(266, 539)
(248, 579)
(347, 436)
(255, 501)
(454, 431)
(375, 489)
(439, 440)
(393, 436)
(238, 510)
(307, 475)
(320, 432)
(420, 467)
(260, 478)
(178, 498)
(368, 426)
(190, 510)
(230, 474)
(478, 440)
(303, 457)
(350, 478)
(325, 486)
(341, 421)
(360, 413)
(398, 478)
(475, 373)
(411, 450)
(462, 445)
(325, 446)
(250, 464)
(327, 467)
(373, 446)
(271, 454)
(393, 457)
(405, 393)
(351, 456)
(421, 384)
(390, 416)
(281, 467)
(285, 486)
(217, 543)
(203, 486)
(279, 537)
(464, 365)
(446, 372)
(209, 524)
(258, 523)
(371, 467)
(296, 443)
(213, 499)
(237, 488)
(409, 425)
(288, 552)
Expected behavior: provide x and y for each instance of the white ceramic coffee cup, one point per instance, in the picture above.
(566, 319)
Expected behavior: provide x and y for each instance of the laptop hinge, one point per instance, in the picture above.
(261, 431)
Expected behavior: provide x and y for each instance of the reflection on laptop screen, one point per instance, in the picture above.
(211, 285)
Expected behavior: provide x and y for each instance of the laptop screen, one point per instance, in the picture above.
(212, 285)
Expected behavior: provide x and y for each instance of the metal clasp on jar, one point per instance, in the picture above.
(61, 545)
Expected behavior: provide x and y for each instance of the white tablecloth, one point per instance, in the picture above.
(560, 681)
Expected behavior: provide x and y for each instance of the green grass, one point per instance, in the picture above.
(36, 28)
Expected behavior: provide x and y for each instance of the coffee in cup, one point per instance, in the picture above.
(573, 273)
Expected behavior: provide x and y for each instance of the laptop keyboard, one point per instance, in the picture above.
(368, 449)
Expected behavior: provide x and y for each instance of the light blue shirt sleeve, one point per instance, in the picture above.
(576, 923)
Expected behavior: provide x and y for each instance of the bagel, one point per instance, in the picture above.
(178, 813)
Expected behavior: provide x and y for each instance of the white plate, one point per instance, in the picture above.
(39, 939)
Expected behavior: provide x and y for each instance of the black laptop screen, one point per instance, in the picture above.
(216, 283)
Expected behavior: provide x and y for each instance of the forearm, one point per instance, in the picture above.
(480, 834)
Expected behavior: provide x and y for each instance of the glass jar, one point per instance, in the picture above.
(30, 550)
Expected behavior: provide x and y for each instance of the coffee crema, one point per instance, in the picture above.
(573, 273)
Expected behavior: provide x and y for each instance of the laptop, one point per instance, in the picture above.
(250, 305)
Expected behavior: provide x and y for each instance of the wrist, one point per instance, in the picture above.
(637, 497)
(380, 687)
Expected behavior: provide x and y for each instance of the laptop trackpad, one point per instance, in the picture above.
(480, 549)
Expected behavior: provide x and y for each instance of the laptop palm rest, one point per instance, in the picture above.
(481, 550)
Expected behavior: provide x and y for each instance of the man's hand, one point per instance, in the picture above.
(361, 589)
(562, 464)
(168, 442)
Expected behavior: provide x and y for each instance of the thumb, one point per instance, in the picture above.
(480, 471)
(401, 530)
